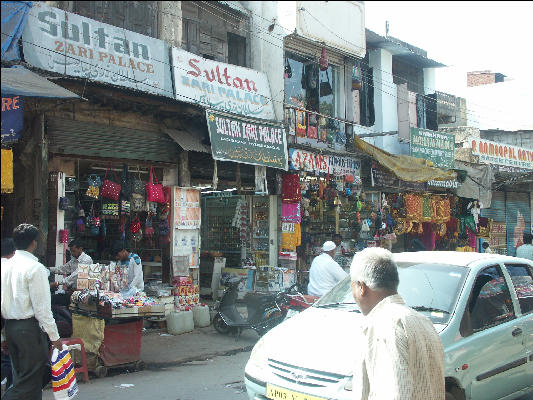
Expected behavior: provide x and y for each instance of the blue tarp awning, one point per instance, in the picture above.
(19, 81)
(14, 16)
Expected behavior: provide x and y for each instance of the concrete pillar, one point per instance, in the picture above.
(184, 178)
(171, 23)
(429, 80)
(385, 103)
(267, 49)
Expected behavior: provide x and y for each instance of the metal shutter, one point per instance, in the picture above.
(518, 219)
(90, 139)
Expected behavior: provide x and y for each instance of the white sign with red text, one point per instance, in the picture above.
(221, 86)
(502, 154)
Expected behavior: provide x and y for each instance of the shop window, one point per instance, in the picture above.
(522, 279)
(236, 49)
(490, 303)
(309, 88)
(135, 16)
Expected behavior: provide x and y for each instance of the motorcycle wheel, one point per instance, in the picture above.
(220, 326)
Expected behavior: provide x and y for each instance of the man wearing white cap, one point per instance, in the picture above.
(325, 272)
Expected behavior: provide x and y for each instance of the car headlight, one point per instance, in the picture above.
(258, 357)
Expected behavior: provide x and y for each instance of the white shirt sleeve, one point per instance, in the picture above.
(338, 272)
(41, 301)
(65, 269)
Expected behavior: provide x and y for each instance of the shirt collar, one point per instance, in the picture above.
(392, 299)
(27, 254)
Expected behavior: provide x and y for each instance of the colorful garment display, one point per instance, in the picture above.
(290, 188)
(290, 212)
(290, 240)
(7, 171)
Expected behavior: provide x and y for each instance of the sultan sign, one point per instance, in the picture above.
(247, 140)
(502, 154)
(220, 86)
(437, 147)
(66, 43)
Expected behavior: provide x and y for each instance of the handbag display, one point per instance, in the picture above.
(135, 226)
(312, 126)
(93, 192)
(325, 87)
(138, 185)
(94, 180)
(138, 203)
(110, 190)
(154, 192)
(64, 204)
(110, 210)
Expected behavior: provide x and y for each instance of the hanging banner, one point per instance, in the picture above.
(221, 86)
(385, 179)
(325, 163)
(12, 118)
(502, 154)
(187, 211)
(438, 147)
(246, 140)
(67, 43)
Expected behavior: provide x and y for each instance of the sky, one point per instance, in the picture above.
(466, 36)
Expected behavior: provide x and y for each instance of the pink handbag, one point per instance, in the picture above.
(110, 190)
(154, 192)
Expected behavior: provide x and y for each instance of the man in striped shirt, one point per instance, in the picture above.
(402, 357)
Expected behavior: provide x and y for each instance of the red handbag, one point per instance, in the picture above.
(110, 190)
(154, 192)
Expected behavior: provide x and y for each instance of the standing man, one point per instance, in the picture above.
(325, 272)
(402, 356)
(27, 312)
(70, 270)
(133, 264)
(526, 250)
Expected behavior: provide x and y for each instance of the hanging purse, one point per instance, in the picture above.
(94, 180)
(154, 192)
(125, 207)
(138, 186)
(93, 192)
(126, 182)
(135, 226)
(137, 203)
(110, 210)
(325, 87)
(110, 190)
(164, 228)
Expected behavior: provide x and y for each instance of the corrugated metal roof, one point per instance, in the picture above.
(187, 140)
(401, 50)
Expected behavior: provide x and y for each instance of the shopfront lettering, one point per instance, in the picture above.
(70, 31)
(236, 82)
(502, 154)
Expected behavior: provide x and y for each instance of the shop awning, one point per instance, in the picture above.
(478, 182)
(19, 81)
(187, 140)
(407, 168)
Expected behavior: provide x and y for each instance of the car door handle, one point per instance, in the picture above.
(517, 332)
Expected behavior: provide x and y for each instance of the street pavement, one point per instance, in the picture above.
(219, 378)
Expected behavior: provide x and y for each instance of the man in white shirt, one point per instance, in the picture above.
(526, 250)
(325, 272)
(70, 269)
(132, 262)
(27, 313)
(403, 356)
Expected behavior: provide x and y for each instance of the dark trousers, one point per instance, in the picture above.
(29, 352)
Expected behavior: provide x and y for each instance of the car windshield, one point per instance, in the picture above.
(429, 288)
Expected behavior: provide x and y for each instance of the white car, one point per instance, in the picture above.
(480, 304)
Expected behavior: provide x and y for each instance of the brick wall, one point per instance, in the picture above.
(480, 78)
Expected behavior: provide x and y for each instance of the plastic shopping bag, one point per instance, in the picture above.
(64, 383)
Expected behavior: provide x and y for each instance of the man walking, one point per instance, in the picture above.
(526, 250)
(27, 312)
(325, 272)
(402, 357)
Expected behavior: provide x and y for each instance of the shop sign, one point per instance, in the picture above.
(12, 118)
(385, 179)
(67, 43)
(325, 163)
(451, 184)
(247, 140)
(498, 235)
(502, 154)
(221, 86)
(438, 147)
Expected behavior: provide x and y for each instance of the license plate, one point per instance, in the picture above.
(277, 393)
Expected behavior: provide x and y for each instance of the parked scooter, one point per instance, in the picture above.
(265, 310)
(298, 302)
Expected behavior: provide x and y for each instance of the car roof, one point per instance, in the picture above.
(465, 259)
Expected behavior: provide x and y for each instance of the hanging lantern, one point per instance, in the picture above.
(323, 62)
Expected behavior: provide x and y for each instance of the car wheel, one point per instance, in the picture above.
(220, 325)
